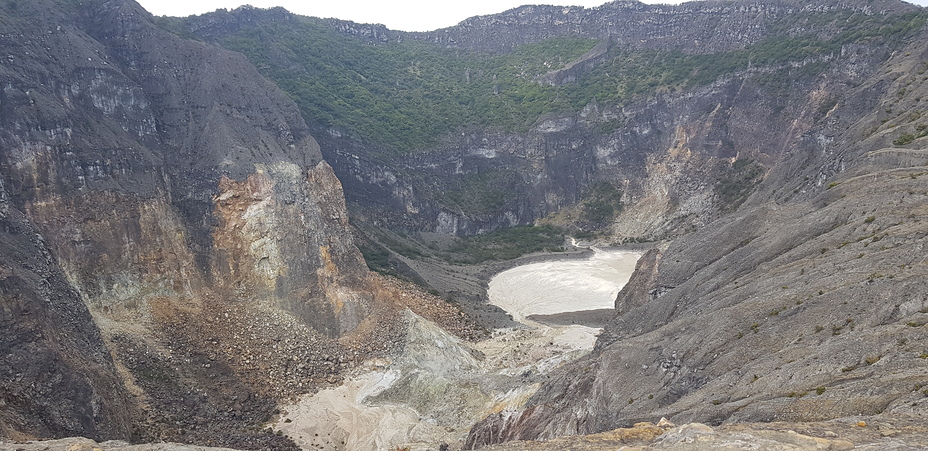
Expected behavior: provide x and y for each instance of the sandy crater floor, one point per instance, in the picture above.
(440, 385)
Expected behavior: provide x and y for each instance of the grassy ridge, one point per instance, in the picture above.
(403, 96)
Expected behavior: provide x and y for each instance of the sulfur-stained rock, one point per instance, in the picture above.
(178, 196)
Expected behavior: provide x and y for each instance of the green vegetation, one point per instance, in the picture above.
(154, 373)
(484, 192)
(906, 138)
(736, 182)
(377, 258)
(403, 96)
(501, 244)
(506, 244)
(601, 204)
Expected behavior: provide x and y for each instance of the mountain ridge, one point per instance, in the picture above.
(397, 90)
(185, 217)
(185, 185)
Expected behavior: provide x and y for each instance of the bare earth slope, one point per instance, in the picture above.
(167, 188)
(58, 377)
(806, 305)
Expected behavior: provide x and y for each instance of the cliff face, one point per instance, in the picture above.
(58, 376)
(669, 150)
(787, 309)
(692, 27)
(174, 187)
(670, 156)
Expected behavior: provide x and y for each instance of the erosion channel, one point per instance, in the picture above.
(439, 386)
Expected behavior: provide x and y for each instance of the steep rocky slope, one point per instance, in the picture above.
(788, 310)
(177, 259)
(58, 377)
(176, 255)
(513, 122)
(692, 27)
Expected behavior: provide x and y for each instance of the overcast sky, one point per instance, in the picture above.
(406, 15)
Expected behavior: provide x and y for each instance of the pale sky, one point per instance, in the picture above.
(406, 15)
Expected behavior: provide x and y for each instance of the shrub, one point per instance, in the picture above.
(737, 181)
(601, 204)
(506, 244)
(904, 139)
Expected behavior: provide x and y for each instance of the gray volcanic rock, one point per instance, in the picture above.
(160, 128)
(83, 444)
(867, 433)
(180, 198)
(693, 27)
(788, 309)
(56, 375)
(671, 153)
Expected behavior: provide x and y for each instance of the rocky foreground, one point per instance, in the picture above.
(872, 433)
(859, 433)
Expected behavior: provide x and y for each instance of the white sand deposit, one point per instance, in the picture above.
(337, 418)
(440, 386)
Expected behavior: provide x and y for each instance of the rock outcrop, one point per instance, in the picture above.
(671, 153)
(787, 309)
(164, 187)
(693, 27)
(58, 376)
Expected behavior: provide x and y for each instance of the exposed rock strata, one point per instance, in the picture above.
(183, 201)
(58, 378)
(787, 310)
(693, 27)
(664, 152)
